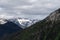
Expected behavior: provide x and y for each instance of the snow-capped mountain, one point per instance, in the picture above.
(3, 21)
(7, 27)
(23, 22)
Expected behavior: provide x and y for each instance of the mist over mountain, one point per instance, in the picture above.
(47, 29)
(29, 20)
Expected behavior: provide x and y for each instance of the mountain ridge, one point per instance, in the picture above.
(21, 22)
(54, 16)
(47, 29)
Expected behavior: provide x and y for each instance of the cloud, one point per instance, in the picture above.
(28, 8)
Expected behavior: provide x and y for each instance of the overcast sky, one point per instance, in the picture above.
(35, 9)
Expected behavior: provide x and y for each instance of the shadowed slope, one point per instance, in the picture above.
(47, 29)
(8, 28)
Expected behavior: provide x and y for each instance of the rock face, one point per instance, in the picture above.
(54, 16)
(47, 29)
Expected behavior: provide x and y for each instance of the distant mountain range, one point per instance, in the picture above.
(23, 22)
(10, 26)
(46, 29)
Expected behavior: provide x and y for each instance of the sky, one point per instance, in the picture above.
(34, 9)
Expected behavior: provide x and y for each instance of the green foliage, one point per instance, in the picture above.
(42, 30)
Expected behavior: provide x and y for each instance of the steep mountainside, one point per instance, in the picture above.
(7, 28)
(47, 29)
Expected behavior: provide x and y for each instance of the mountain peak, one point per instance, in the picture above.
(23, 22)
(58, 10)
(3, 21)
(54, 16)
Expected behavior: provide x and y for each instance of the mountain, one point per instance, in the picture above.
(7, 28)
(47, 29)
(23, 22)
(54, 16)
(10, 26)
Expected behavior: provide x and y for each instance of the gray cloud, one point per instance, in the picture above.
(28, 8)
